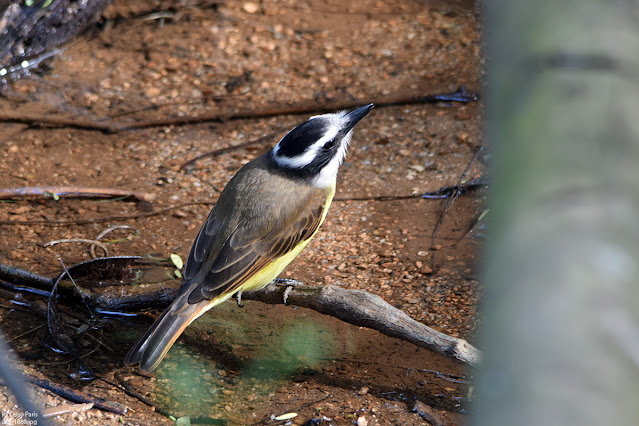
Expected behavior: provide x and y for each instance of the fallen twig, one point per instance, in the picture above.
(77, 396)
(71, 192)
(454, 194)
(93, 243)
(103, 219)
(437, 194)
(21, 277)
(461, 95)
(124, 386)
(432, 195)
(364, 309)
(226, 149)
(65, 409)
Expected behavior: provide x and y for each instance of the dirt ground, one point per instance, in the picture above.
(150, 60)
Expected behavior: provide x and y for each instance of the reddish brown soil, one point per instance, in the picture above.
(246, 364)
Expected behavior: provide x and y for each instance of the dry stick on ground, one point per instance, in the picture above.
(364, 309)
(77, 396)
(105, 218)
(437, 194)
(226, 149)
(31, 192)
(353, 306)
(452, 197)
(54, 120)
(461, 95)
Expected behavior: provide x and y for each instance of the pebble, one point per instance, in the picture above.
(152, 92)
(426, 270)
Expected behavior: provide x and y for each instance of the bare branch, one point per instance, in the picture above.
(71, 191)
(362, 308)
(307, 107)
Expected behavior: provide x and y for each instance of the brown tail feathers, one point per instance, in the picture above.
(150, 349)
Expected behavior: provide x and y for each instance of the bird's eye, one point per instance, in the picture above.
(328, 145)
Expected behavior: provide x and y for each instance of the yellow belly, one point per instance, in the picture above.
(273, 269)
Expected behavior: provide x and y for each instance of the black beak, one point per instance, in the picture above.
(356, 115)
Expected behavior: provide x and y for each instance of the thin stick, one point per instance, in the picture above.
(77, 396)
(124, 386)
(65, 409)
(77, 288)
(226, 149)
(32, 192)
(437, 194)
(455, 194)
(461, 95)
(93, 243)
(103, 219)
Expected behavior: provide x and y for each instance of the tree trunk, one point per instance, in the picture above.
(561, 329)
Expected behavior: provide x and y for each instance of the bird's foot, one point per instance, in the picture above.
(238, 298)
(289, 287)
(287, 291)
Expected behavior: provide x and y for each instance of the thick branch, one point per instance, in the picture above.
(364, 309)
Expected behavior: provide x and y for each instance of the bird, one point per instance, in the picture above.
(265, 216)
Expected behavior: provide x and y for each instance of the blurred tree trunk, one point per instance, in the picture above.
(561, 328)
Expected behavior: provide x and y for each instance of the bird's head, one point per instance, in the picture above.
(315, 149)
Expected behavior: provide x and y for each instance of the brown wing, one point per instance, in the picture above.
(250, 246)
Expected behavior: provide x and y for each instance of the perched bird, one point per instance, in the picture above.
(265, 216)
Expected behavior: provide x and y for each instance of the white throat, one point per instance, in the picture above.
(328, 175)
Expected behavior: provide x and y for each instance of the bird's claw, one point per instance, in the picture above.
(238, 298)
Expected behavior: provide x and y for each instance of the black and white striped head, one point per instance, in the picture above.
(315, 149)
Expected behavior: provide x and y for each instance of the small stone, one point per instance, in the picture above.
(363, 390)
(426, 270)
(250, 7)
(20, 210)
(152, 92)
(428, 413)
(361, 421)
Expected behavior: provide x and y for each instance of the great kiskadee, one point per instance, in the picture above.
(265, 216)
